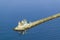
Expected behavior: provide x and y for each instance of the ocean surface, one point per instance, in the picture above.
(13, 11)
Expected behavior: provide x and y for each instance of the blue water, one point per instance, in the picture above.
(13, 11)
